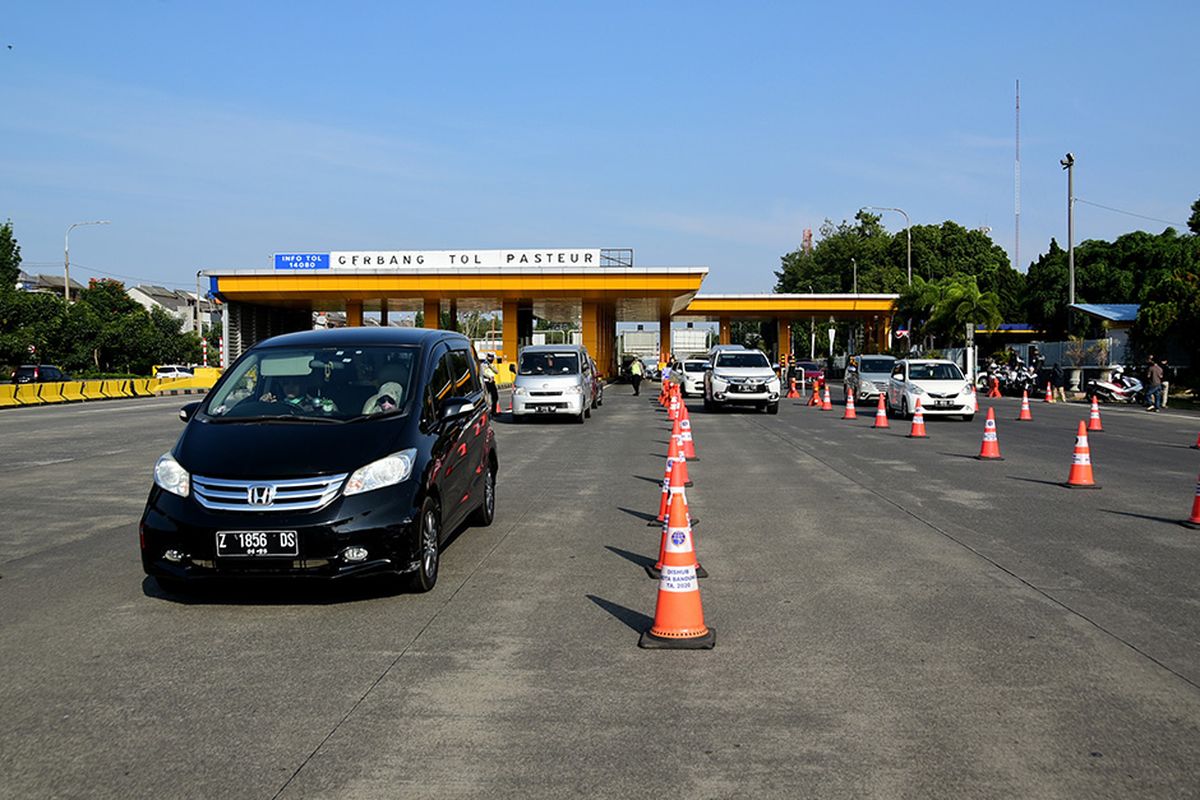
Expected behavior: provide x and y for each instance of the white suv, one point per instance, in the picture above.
(741, 377)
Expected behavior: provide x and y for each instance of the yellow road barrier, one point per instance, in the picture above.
(93, 390)
(8, 396)
(52, 392)
(27, 394)
(140, 387)
(72, 391)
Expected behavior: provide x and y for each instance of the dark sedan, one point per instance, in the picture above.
(326, 454)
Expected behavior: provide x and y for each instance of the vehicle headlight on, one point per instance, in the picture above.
(916, 389)
(387, 471)
(170, 476)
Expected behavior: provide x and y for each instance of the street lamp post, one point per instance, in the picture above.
(907, 233)
(854, 266)
(1068, 163)
(67, 256)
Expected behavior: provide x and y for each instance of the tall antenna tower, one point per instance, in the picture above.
(1017, 194)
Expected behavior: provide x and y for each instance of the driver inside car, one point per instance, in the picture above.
(293, 393)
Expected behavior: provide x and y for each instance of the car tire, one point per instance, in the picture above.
(772, 408)
(582, 416)
(429, 546)
(904, 408)
(587, 411)
(708, 405)
(967, 417)
(487, 506)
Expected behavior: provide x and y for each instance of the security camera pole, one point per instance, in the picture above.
(1068, 164)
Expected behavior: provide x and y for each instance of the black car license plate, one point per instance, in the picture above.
(257, 543)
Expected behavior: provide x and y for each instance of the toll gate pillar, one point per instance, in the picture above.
(453, 314)
(726, 330)
(783, 339)
(383, 313)
(508, 326)
(664, 336)
(591, 327)
(354, 313)
(524, 323)
(432, 313)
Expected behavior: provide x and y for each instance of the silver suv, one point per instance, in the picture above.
(553, 379)
(868, 376)
(741, 377)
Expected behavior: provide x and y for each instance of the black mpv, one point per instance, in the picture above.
(326, 454)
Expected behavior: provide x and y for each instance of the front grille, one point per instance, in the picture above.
(545, 394)
(292, 494)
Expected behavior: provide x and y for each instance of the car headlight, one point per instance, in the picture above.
(573, 390)
(916, 389)
(520, 391)
(387, 471)
(721, 378)
(170, 476)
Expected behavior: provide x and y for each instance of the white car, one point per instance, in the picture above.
(693, 377)
(741, 377)
(173, 371)
(939, 383)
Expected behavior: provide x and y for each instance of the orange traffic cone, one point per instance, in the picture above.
(666, 496)
(990, 450)
(918, 423)
(881, 419)
(1081, 463)
(678, 615)
(826, 403)
(685, 437)
(792, 393)
(1049, 394)
(1196, 446)
(1194, 520)
(850, 413)
(974, 400)
(1026, 415)
(814, 399)
(1094, 424)
(655, 571)
(676, 453)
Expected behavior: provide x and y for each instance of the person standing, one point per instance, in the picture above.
(1154, 379)
(635, 376)
(1058, 381)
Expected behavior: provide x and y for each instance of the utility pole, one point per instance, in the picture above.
(199, 330)
(1017, 203)
(854, 265)
(907, 233)
(1068, 163)
(67, 256)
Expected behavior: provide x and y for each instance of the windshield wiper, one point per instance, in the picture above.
(280, 418)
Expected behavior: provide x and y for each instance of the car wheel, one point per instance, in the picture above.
(708, 406)
(773, 408)
(587, 411)
(904, 408)
(487, 507)
(429, 546)
(968, 417)
(582, 416)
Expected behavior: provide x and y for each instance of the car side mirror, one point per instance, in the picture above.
(455, 407)
(512, 368)
(188, 411)
(775, 367)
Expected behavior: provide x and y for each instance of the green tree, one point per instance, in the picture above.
(942, 309)
(1171, 315)
(10, 258)
(1194, 219)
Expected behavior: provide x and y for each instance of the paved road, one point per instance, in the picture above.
(895, 619)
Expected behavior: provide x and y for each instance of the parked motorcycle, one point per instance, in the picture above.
(1119, 388)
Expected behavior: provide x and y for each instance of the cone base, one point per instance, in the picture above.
(1193, 524)
(880, 427)
(655, 573)
(651, 642)
(1095, 430)
(1070, 485)
(1024, 419)
(917, 436)
(989, 458)
(1196, 447)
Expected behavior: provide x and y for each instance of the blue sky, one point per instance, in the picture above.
(215, 134)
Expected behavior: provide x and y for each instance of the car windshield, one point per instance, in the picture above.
(694, 366)
(876, 366)
(808, 366)
(546, 363)
(315, 384)
(934, 372)
(745, 359)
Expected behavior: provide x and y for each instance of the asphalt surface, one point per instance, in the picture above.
(894, 619)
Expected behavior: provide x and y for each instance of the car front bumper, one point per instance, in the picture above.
(747, 398)
(386, 526)
(931, 407)
(569, 404)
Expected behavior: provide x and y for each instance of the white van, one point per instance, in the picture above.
(553, 379)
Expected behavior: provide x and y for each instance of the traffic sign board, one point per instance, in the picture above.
(302, 261)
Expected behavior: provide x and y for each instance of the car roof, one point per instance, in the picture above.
(552, 348)
(361, 336)
(927, 361)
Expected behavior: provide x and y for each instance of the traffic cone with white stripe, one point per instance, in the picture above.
(850, 413)
(1026, 415)
(826, 402)
(674, 451)
(685, 438)
(881, 418)
(1094, 424)
(918, 423)
(814, 399)
(1081, 463)
(676, 488)
(1049, 394)
(990, 449)
(1194, 520)
(678, 614)
(793, 394)
(974, 400)
(665, 498)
